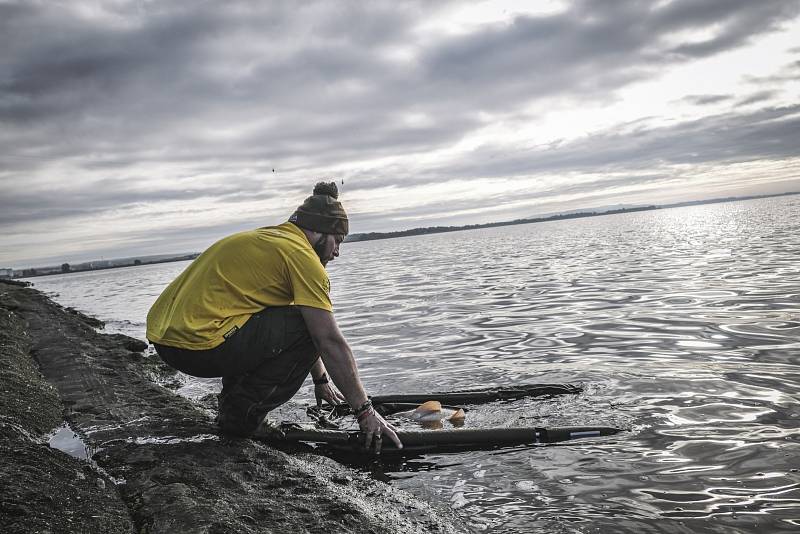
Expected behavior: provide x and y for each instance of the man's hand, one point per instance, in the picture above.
(338, 360)
(326, 392)
(374, 427)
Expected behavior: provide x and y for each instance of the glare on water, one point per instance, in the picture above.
(683, 325)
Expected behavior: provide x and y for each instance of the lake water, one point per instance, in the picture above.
(682, 324)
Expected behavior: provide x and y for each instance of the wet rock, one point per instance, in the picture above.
(178, 475)
(91, 321)
(128, 343)
(13, 509)
(42, 489)
(17, 283)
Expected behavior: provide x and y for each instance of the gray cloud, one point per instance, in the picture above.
(224, 93)
(754, 98)
(104, 196)
(766, 134)
(704, 100)
(736, 23)
(789, 73)
(167, 76)
(727, 138)
(647, 158)
(597, 193)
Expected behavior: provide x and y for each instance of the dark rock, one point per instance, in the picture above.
(91, 321)
(128, 343)
(179, 475)
(17, 283)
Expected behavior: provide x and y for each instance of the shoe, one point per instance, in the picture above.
(231, 426)
(269, 430)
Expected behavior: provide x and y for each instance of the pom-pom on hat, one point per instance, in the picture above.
(322, 212)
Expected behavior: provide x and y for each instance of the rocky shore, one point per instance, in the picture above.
(156, 463)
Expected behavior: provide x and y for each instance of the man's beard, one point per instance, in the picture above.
(319, 248)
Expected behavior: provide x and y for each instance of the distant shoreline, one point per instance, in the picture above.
(442, 229)
(371, 236)
(50, 271)
(558, 217)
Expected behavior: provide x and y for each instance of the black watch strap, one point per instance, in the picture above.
(321, 380)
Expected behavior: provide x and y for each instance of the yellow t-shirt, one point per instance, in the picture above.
(235, 278)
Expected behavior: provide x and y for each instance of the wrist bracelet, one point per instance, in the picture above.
(358, 412)
(365, 413)
(321, 381)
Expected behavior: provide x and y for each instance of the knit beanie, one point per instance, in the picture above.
(322, 212)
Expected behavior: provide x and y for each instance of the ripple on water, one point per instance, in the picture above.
(684, 325)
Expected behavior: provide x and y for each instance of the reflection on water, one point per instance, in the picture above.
(683, 324)
(65, 440)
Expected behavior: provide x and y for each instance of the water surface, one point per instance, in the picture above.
(683, 325)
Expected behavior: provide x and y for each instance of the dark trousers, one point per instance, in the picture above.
(262, 365)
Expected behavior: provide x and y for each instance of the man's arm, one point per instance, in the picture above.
(323, 390)
(318, 370)
(339, 361)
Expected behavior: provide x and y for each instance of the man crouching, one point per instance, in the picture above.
(255, 309)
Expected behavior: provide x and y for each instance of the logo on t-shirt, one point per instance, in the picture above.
(326, 285)
(230, 332)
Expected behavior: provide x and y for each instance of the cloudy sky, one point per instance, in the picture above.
(147, 127)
